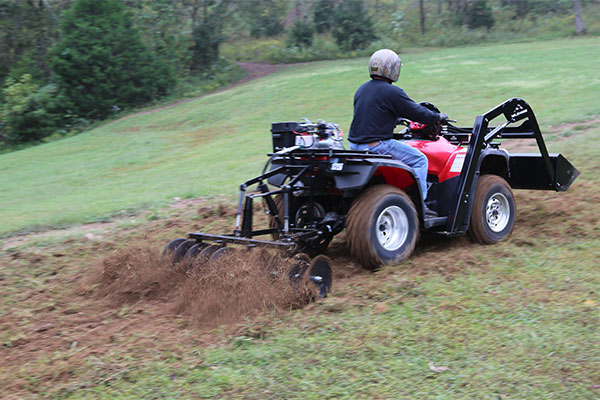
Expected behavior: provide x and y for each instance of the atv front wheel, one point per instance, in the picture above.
(382, 226)
(493, 215)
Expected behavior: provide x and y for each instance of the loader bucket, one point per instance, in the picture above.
(528, 171)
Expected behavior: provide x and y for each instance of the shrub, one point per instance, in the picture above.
(264, 17)
(220, 73)
(205, 47)
(256, 50)
(301, 34)
(323, 15)
(29, 112)
(479, 15)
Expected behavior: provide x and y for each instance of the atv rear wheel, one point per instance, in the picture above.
(382, 226)
(494, 210)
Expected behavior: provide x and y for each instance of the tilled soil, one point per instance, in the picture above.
(84, 298)
(237, 286)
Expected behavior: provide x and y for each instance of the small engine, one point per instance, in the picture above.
(307, 134)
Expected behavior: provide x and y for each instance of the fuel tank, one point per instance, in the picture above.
(445, 159)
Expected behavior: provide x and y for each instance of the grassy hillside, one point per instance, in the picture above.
(207, 146)
(517, 320)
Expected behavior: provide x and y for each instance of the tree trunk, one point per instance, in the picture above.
(580, 28)
(298, 10)
(463, 10)
(46, 4)
(422, 14)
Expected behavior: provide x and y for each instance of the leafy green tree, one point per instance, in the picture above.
(301, 34)
(163, 26)
(208, 17)
(101, 63)
(27, 30)
(479, 15)
(536, 8)
(323, 15)
(28, 113)
(264, 17)
(353, 26)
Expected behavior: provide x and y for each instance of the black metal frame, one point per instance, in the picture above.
(514, 110)
(298, 163)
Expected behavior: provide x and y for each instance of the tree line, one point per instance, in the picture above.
(68, 62)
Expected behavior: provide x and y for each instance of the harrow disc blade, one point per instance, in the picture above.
(171, 246)
(207, 252)
(320, 274)
(192, 253)
(300, 263)
(220, 253)
(181, 250)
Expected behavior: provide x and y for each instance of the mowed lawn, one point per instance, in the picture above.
(208, 146)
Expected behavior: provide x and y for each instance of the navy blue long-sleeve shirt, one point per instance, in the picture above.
(377, 106)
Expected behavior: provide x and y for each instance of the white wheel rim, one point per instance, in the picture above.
(497, 212)
(392, 228)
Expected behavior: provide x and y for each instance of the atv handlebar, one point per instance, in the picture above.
(406, 122)
(424, 131)
(403, 121)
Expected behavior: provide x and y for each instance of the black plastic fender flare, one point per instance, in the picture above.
(356, 175)
(488, 154)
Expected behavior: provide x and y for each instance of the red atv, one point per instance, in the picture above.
(312, 189)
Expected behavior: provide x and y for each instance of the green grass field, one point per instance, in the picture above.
(516, 320)
(208, 146)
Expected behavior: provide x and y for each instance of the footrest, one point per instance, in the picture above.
(434, 221)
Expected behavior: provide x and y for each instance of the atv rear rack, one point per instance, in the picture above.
(297, 163)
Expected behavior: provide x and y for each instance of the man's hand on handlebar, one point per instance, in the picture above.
(444, 119)
(403, 121)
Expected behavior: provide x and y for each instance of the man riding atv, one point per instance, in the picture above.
(313, 189)
(378, 105)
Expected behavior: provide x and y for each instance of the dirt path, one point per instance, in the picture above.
(253, 71)
(257, 70)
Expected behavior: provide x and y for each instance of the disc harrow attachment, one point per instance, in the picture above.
(306, 274)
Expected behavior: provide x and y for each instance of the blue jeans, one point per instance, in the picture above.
(402, 152)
